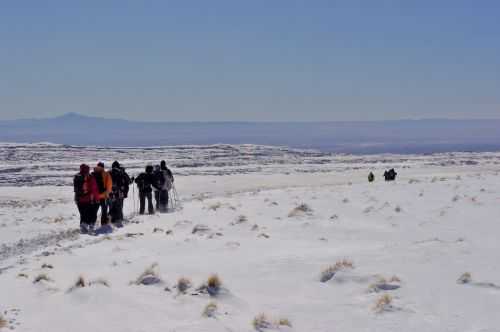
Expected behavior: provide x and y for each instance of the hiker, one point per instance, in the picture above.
(371, 177)
(157, 184)
(145, 182)
(165, 182)
(105, 187)
(390, 175)
(120, 183)
(86, 198)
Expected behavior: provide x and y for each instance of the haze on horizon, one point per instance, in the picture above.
(250, 61)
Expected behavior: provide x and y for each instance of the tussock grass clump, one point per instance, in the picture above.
(330, 271)
(150, 276)
(183, 284)
(284, 322)
(383, 303)
(22, 275)
(82, 283)
(300, 210)
(210, 310)
(241, 219)
(384, 284)
(261, 322)
(214, 285)
(3, 322)
(465, 278)
(157, 230)
(47, 266)
(215, 206)
(200, 229)
(79, 283)
(41, 277)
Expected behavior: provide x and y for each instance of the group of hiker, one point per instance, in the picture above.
(106, 191)
(389, 175)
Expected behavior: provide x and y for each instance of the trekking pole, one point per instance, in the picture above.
(133, 195)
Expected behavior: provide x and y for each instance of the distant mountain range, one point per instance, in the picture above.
(402, 136)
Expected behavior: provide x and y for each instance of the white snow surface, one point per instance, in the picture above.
(439, 220)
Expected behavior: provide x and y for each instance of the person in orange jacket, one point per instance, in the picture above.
(105, 186)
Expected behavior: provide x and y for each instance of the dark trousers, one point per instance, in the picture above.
(103, 204)
(157, 199)
(116, 210)
(142, 202)
(163, 200)
(86, 213)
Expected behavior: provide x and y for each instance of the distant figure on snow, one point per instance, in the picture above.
(86, 198)
(390, 175)
(145, 182)
(105, 187)
(164, 180)
(120, 188)
(371, 177)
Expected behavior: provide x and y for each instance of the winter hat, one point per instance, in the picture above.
(115, 164)
(100, 164)
(84, 169)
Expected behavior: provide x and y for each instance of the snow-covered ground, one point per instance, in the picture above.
(239, 220)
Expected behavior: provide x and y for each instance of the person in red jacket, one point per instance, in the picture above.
(86, 197)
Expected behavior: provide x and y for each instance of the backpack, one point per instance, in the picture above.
(118, 179)
(168, 180)
(78, 182)
(99, 179)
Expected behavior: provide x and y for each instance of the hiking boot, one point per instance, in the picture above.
(83, 229)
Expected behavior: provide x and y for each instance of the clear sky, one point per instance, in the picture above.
(255, 60)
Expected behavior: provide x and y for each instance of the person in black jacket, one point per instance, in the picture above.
(145, 182)
(390, 175)
(121, 182)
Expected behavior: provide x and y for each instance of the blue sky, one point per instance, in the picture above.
(250, 60)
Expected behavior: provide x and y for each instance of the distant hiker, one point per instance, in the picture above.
(371, 177)
(145, 182)
(157, 183)
(86, 197)
(165, 180)
(120, 184)
(390, 175)
(105, 187)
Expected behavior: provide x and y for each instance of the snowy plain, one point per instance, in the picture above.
(268, 221)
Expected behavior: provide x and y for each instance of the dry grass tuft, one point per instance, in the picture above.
(47, 266)
(210, 310)
(465, 278)
(241, 219)
(261, 322)
(3, 322)
(300, 210)
(150, 276)
(22, 275)
(284, 322)
(41, 277)
(183, 284)
(80, 282)
(214, 285)
(215, 206)
(330, 271)
(383, 303)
